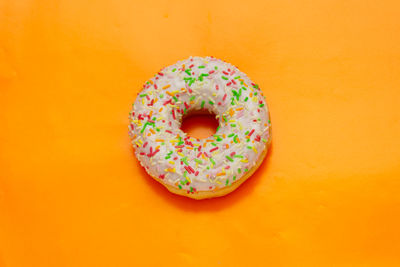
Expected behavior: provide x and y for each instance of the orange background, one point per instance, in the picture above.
(73, 194)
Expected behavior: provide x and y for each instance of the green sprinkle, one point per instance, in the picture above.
(261, 105)
(218, 128)
(180, 187)
(142, 95)
(225, 119)
(229, 158)
(161, 96)
(198, 161)
(235, 139)
(269, 121)
(214, 144)
(255, 86)
(188, 72)
(223, 77)
(238, 156)
(249, 147)
(264, 140)
(239, 170)
(183, 182)
(237, 77)
(144, 127)
(246, 170)
(233, 125)
(215, 67)
(247, 98)
(184, 160)
(246, 133)
(202, 67)
(202, 103)
(212, 161)
(232, 134)
(191, 189)
(244, 88)
(173, 70)
(208, 168)
(234, 178)
(158, 129)
(248, 140)
(210, 102)
(192, 81)
(227, 182)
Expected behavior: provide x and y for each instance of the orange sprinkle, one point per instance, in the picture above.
(167, 86)
(238, 109)
(231, 112)
(169, 93)
(151, 113)
(160, 109)
(150, 81)
(221, 173)
(251, 94)
(157, 147)
(159, 140)
(152, 131)
(188, 147)
(223, 135)
(148, 134)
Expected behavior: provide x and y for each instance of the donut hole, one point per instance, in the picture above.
(199, 125)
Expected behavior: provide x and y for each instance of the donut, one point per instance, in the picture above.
(200, 168)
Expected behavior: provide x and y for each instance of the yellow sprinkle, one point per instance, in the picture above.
(172, 93)
(170, 170)
(171, 162)
(218, 182)
(167, 86)
(244, 160)
(187, 178)
(255, 150)
(254, 99)
(160, 118)
(214, 94)
(180, 154)
(137, 144)
(143, 101)
(140, 141)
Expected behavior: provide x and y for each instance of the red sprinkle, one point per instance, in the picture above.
(223, 99)
(211, 150)
(211, 72)
(251, 132)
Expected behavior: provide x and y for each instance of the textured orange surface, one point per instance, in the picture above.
(72, 193)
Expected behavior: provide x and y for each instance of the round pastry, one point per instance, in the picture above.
(200, 168)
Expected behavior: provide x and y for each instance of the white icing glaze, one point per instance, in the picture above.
(188, 163)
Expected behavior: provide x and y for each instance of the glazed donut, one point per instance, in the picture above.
(200, 168)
